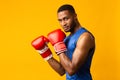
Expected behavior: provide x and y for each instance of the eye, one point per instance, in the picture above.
(65, 19)
(59, 20)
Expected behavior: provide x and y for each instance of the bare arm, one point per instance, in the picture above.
(85, 42)
(56, 66)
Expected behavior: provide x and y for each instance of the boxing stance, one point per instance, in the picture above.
(74, 51)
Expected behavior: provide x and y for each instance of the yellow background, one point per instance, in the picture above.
(23, 20)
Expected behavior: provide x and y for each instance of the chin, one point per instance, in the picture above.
(67, 30)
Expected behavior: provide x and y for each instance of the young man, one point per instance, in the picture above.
(75, 51)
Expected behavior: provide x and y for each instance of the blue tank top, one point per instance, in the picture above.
(83, 72)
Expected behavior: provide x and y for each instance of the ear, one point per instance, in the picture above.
(75, 16)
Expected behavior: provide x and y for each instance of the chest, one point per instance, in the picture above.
(71, 45)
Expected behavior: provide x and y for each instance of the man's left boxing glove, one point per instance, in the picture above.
(40, 44)
(56, 38)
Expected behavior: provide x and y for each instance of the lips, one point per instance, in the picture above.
(65, 27)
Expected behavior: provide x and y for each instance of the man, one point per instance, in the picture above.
(75, 51)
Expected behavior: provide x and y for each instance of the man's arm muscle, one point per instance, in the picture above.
(85, 42)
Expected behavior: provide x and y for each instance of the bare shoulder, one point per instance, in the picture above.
(87, 35)
(86, 38)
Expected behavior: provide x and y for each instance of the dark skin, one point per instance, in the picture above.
(70, 23)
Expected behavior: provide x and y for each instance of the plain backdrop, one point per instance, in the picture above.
(21, 21)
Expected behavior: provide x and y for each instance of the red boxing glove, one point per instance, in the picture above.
(40, 45)
(56, 38)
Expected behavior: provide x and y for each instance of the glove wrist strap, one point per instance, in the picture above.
(45, 53)
(60, 47)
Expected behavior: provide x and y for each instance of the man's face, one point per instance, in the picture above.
(66, 20)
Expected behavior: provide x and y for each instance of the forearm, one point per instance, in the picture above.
(67, 64)
(56, 38)
(56, 66)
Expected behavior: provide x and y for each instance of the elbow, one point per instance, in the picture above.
(71, 72)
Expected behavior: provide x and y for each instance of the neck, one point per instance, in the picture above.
(76, 27)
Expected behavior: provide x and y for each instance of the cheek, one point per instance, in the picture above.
(70, 22)
(60, 23)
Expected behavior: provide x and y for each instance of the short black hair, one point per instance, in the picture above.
(66, 7)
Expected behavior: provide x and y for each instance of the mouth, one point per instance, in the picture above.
(66, 28)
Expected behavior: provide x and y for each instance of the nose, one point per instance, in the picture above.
(63, 23)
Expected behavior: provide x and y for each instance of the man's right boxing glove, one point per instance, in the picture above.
(56, 38)
(40, 44)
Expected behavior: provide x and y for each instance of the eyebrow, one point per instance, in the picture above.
(59, 19)
(62, 18)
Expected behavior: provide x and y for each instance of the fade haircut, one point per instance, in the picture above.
(66, 7)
